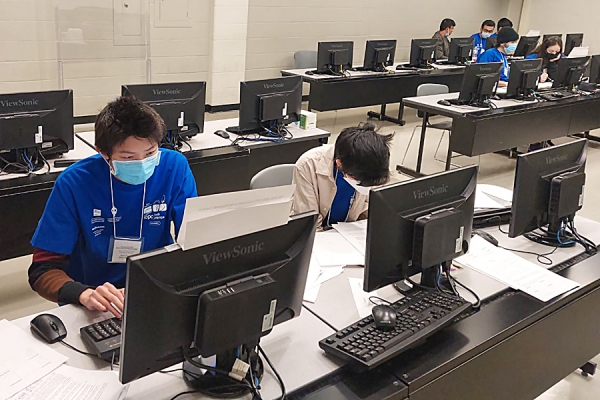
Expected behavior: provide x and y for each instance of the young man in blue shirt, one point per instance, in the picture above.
(481, 38)
(106, 207)
(506, 45)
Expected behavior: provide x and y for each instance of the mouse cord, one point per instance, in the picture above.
(76, 349)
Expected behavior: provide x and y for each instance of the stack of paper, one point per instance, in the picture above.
(355, 233)
(514, 271)
(579, 52)
(332, 249)
(318, 275)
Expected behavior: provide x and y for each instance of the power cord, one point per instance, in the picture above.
(281, 384)
(77, 350)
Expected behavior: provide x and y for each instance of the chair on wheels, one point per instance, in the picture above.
(429, 89)
(305, 59)
(277, 175)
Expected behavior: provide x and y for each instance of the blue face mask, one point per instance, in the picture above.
(486, 35)
(447, 34)
(136, 172)
(511, 48)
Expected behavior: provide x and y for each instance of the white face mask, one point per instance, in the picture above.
(364, 190)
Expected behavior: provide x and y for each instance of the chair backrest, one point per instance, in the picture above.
(305, 59)
(277, 175)
(429, 89)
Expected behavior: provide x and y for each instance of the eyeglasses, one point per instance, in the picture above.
(488, 30)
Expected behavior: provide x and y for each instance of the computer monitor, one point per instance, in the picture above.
(549, 35)
(180, 104)
(379, 54)
(33, 123)
(479, 84)
(569, 72)
(524, 78)
(422, 52)
(266, 106)
(573, 40)
(526, 45)
(334, 57)
(416, 225)
(548, 190)
(461, 50)
(595, 69)
(212, 299)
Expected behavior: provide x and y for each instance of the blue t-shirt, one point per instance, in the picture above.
(77, 220)
(495, 55)
(342, 200)
(478, 45)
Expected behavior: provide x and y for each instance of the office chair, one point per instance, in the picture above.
(429, 89)
(277, 175)
(305, 59)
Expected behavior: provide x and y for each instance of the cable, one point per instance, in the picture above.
(281, 384)
(539, 256)
(235, 383)
(77, 350)
(477, 304)
(319, 317)
(389, 303)
(44, 159)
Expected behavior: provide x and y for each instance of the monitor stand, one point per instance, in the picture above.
(428, 278)
(550, 237)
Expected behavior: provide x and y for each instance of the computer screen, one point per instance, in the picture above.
(379, 54)
(573, 40)
(570, 72)
(180, 104)
(415, 225)
(422, 52)
(595, 69)
(171, 297)
(479, 83)
(524, 78)
(526, 45)
(268, 105)
(35, 122)
(548, 189)
(461, 50)
(334, 57)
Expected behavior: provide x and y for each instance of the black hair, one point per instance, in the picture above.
(504, 23)
(488, 22)
(447, 23)
(125, 117)
(542, 48)
(364, 154)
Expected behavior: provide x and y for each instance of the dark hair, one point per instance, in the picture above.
(364, 154)
(125, 117)
(488, 22)
(447, 23)
(542, 48)
(504, 23)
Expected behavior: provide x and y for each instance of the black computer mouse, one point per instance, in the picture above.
(444, 103)
(48, 327)
(385, 317)
(223, 134)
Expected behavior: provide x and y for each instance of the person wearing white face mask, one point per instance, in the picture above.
(106, 207)
(480, 40)
(506, 45)
(335, 180)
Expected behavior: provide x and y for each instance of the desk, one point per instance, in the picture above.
(477, 131)
(365, 88)
(217, 166)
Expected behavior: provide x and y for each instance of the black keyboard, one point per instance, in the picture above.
(418, 316)
(103, 338)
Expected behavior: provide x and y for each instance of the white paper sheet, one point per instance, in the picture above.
(514, 271)
(533, 33)
(317, 276)
(361, 298)
(579, 52)
(68, 383)
(491, 196)
(331, 249)
(210, 219)
(355, 233)
(23, 360)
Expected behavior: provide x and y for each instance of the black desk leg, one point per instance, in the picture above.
(383, 117)
(417, 173)
(586, 135)
(449, 155)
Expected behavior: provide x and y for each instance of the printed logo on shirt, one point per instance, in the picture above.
(97, 213)
(155, 212)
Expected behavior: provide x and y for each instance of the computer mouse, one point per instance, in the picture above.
(385, 317)
(223, 134)
(48, 327)
(444, 103)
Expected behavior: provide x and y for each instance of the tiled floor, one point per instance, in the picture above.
(17, 299)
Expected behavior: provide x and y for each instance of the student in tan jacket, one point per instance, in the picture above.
(335, 179)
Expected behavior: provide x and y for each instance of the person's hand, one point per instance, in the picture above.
(558, 57)
(543, 77)
(104, 298)
(502, 84)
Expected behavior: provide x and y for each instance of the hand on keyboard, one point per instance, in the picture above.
(104, 298)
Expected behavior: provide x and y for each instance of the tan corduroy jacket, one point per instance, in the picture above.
(315, 186)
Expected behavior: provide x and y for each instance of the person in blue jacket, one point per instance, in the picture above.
(481, 38)
(506, 45)
(550, 51)
(109, 206)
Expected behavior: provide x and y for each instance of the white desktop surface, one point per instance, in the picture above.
(432, 102)
(353, 74)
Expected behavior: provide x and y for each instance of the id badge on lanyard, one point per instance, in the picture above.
(119, 248)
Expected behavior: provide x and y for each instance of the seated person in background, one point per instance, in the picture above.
(335, 180)
(507, 44)
(550, 51)
(109, 206)
(503, 23)
(481, 38)
(443, 43)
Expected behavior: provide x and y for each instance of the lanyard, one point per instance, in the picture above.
(349, 207)
(113, 210)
